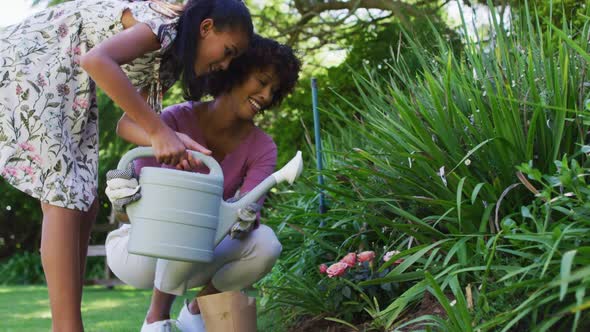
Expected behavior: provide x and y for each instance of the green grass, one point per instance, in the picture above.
(26, 308)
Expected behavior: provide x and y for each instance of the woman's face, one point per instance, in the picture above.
(217, 48)
(255, 94)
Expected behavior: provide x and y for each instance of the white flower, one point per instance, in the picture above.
(441, 174)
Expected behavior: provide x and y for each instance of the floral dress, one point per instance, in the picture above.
(48, 109)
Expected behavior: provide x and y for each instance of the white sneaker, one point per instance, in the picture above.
(189, 322)
(160, 326)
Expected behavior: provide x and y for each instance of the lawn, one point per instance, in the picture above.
(26, 308)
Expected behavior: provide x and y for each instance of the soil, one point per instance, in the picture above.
(428, 306)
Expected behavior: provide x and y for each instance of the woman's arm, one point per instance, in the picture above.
(103, 64)
(261, 167)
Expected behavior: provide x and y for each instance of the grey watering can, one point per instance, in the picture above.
(181, 215)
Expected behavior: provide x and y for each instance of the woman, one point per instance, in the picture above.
(254, 82)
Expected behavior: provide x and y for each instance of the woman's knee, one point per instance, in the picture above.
(172, 277)
(135, 270)
(267, 248)
(254, 265)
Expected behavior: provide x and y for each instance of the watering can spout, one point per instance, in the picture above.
(291, 170)
(228, 212)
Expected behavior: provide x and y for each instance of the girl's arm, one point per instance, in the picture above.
(103, 64)
(130, 131)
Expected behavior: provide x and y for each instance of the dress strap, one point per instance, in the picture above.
(155, 95)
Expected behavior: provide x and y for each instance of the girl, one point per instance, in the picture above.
(256, 81)
(50, 64)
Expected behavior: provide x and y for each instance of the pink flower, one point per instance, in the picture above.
(63, 89)
(19, 89)
(10, 171)
(80, 103)
(390, 254)
(27, 146)
(323, 268)
(62, 31)
(75, 53)
(41, 80)
(37, 159)
(28, 170)
(349, 259)
(365, 256)
(336, 269)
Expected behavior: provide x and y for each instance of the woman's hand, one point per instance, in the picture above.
(190, 163)
(168, 148)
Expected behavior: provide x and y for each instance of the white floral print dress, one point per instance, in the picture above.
(48, 109)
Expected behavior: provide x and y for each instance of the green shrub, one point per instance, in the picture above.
(435, 168)
(24, 268)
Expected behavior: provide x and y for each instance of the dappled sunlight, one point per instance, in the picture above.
(43, 314)
(119, 292)
(42, 302)
(103, 304)
(21, 289)
(5, 290)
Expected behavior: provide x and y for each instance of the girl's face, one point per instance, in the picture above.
(255, 94)
(217, 48)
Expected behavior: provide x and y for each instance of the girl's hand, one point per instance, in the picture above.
(190, 144)
(190, 163)
(168, 148)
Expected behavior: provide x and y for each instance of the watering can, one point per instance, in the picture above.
(181, 215)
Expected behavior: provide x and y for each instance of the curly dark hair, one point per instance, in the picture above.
(261, 54)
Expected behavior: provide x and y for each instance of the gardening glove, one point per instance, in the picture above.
(246, 220)
(122, 187)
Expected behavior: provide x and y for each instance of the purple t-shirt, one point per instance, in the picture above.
(252, 161)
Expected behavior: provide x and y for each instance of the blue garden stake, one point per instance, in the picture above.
(318, 142)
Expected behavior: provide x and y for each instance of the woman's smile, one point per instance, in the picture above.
(255, 105)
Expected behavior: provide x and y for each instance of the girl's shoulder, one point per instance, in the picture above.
(160, 19)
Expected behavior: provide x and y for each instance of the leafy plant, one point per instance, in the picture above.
(24, 268)
(457, 165)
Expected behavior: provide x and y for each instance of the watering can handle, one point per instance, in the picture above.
(139, 152)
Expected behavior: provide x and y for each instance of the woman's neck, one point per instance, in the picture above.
(219, 116)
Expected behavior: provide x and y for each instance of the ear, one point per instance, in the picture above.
(206, 27)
